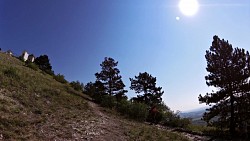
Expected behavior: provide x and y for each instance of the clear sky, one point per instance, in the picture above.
(142, 35)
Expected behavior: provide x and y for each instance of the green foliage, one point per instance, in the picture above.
(110, 78)
(174, 120)
(123, 107)
(60, 78)
(32, 65)
(44, 64)
(229, 72)
(138, 111)
(89, 89)
(29, 100)
(11, 73)
(155, 117)
(146, 84)
(98, 91)
(151, 133)
(77, 85)
(108, 101)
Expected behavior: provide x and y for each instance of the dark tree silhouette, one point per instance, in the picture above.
(145, 84)
(44, 64)
(110, 78)
(89, 88)
(229, 72)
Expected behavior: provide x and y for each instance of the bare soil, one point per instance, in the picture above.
(104, 127)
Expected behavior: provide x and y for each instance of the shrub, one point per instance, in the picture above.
(138, 111)
(77, 85)
(154, 118)
(97, 97)
(32, 66)
(60, 78)
(108, 101)
(11, 73)
(184, 122)
(50, 72)
(174, 120)
(135, 110)
(123, 107)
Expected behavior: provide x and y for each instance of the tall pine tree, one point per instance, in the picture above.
(145, 84)
(110, 78)
(229, 72)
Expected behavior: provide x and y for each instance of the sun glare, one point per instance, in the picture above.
(189, 7)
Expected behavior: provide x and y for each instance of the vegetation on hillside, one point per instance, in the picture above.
(146, 84)
(34, 106)
(37, 104)
(110, 79)
(108, 91)
(43, 63)
(229, 72)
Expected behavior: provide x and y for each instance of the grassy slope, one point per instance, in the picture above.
(33, 106)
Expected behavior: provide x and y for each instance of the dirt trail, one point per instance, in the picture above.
(104, 126)
(107, 127)
(100, 126)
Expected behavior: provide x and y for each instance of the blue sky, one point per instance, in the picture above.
(142, 35)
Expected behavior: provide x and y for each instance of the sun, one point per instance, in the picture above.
(189, 7)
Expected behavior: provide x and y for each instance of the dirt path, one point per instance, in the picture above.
(107, 127)
(104, 126)
(99, 126)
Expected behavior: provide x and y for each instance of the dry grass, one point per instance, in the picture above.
(34, 106)
(142, 132)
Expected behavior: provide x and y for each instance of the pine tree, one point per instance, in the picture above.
(110, 78)
(229, 72)
(146, 84)
(44, 64)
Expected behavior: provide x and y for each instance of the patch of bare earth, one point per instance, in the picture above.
(100, 126)
(93, 124)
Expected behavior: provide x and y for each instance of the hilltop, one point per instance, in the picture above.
(34, 106)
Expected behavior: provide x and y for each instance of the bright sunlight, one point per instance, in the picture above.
(189, 7)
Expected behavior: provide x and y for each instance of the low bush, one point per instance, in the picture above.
(108, 101)
(138, 111)
(154, 117)
(174, 120)
(123, 107)
(32, 66)
(60, 78)
(77, 85)
(11, 73)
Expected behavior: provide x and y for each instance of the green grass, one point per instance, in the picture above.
(31, 100)
(34, 106)
(201, 129)
(142, 132)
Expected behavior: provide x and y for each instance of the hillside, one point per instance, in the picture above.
(34, 106)
(196, 116)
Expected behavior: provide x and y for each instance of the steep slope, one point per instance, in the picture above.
(33, 106)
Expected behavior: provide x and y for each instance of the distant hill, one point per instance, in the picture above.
(195, 115)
